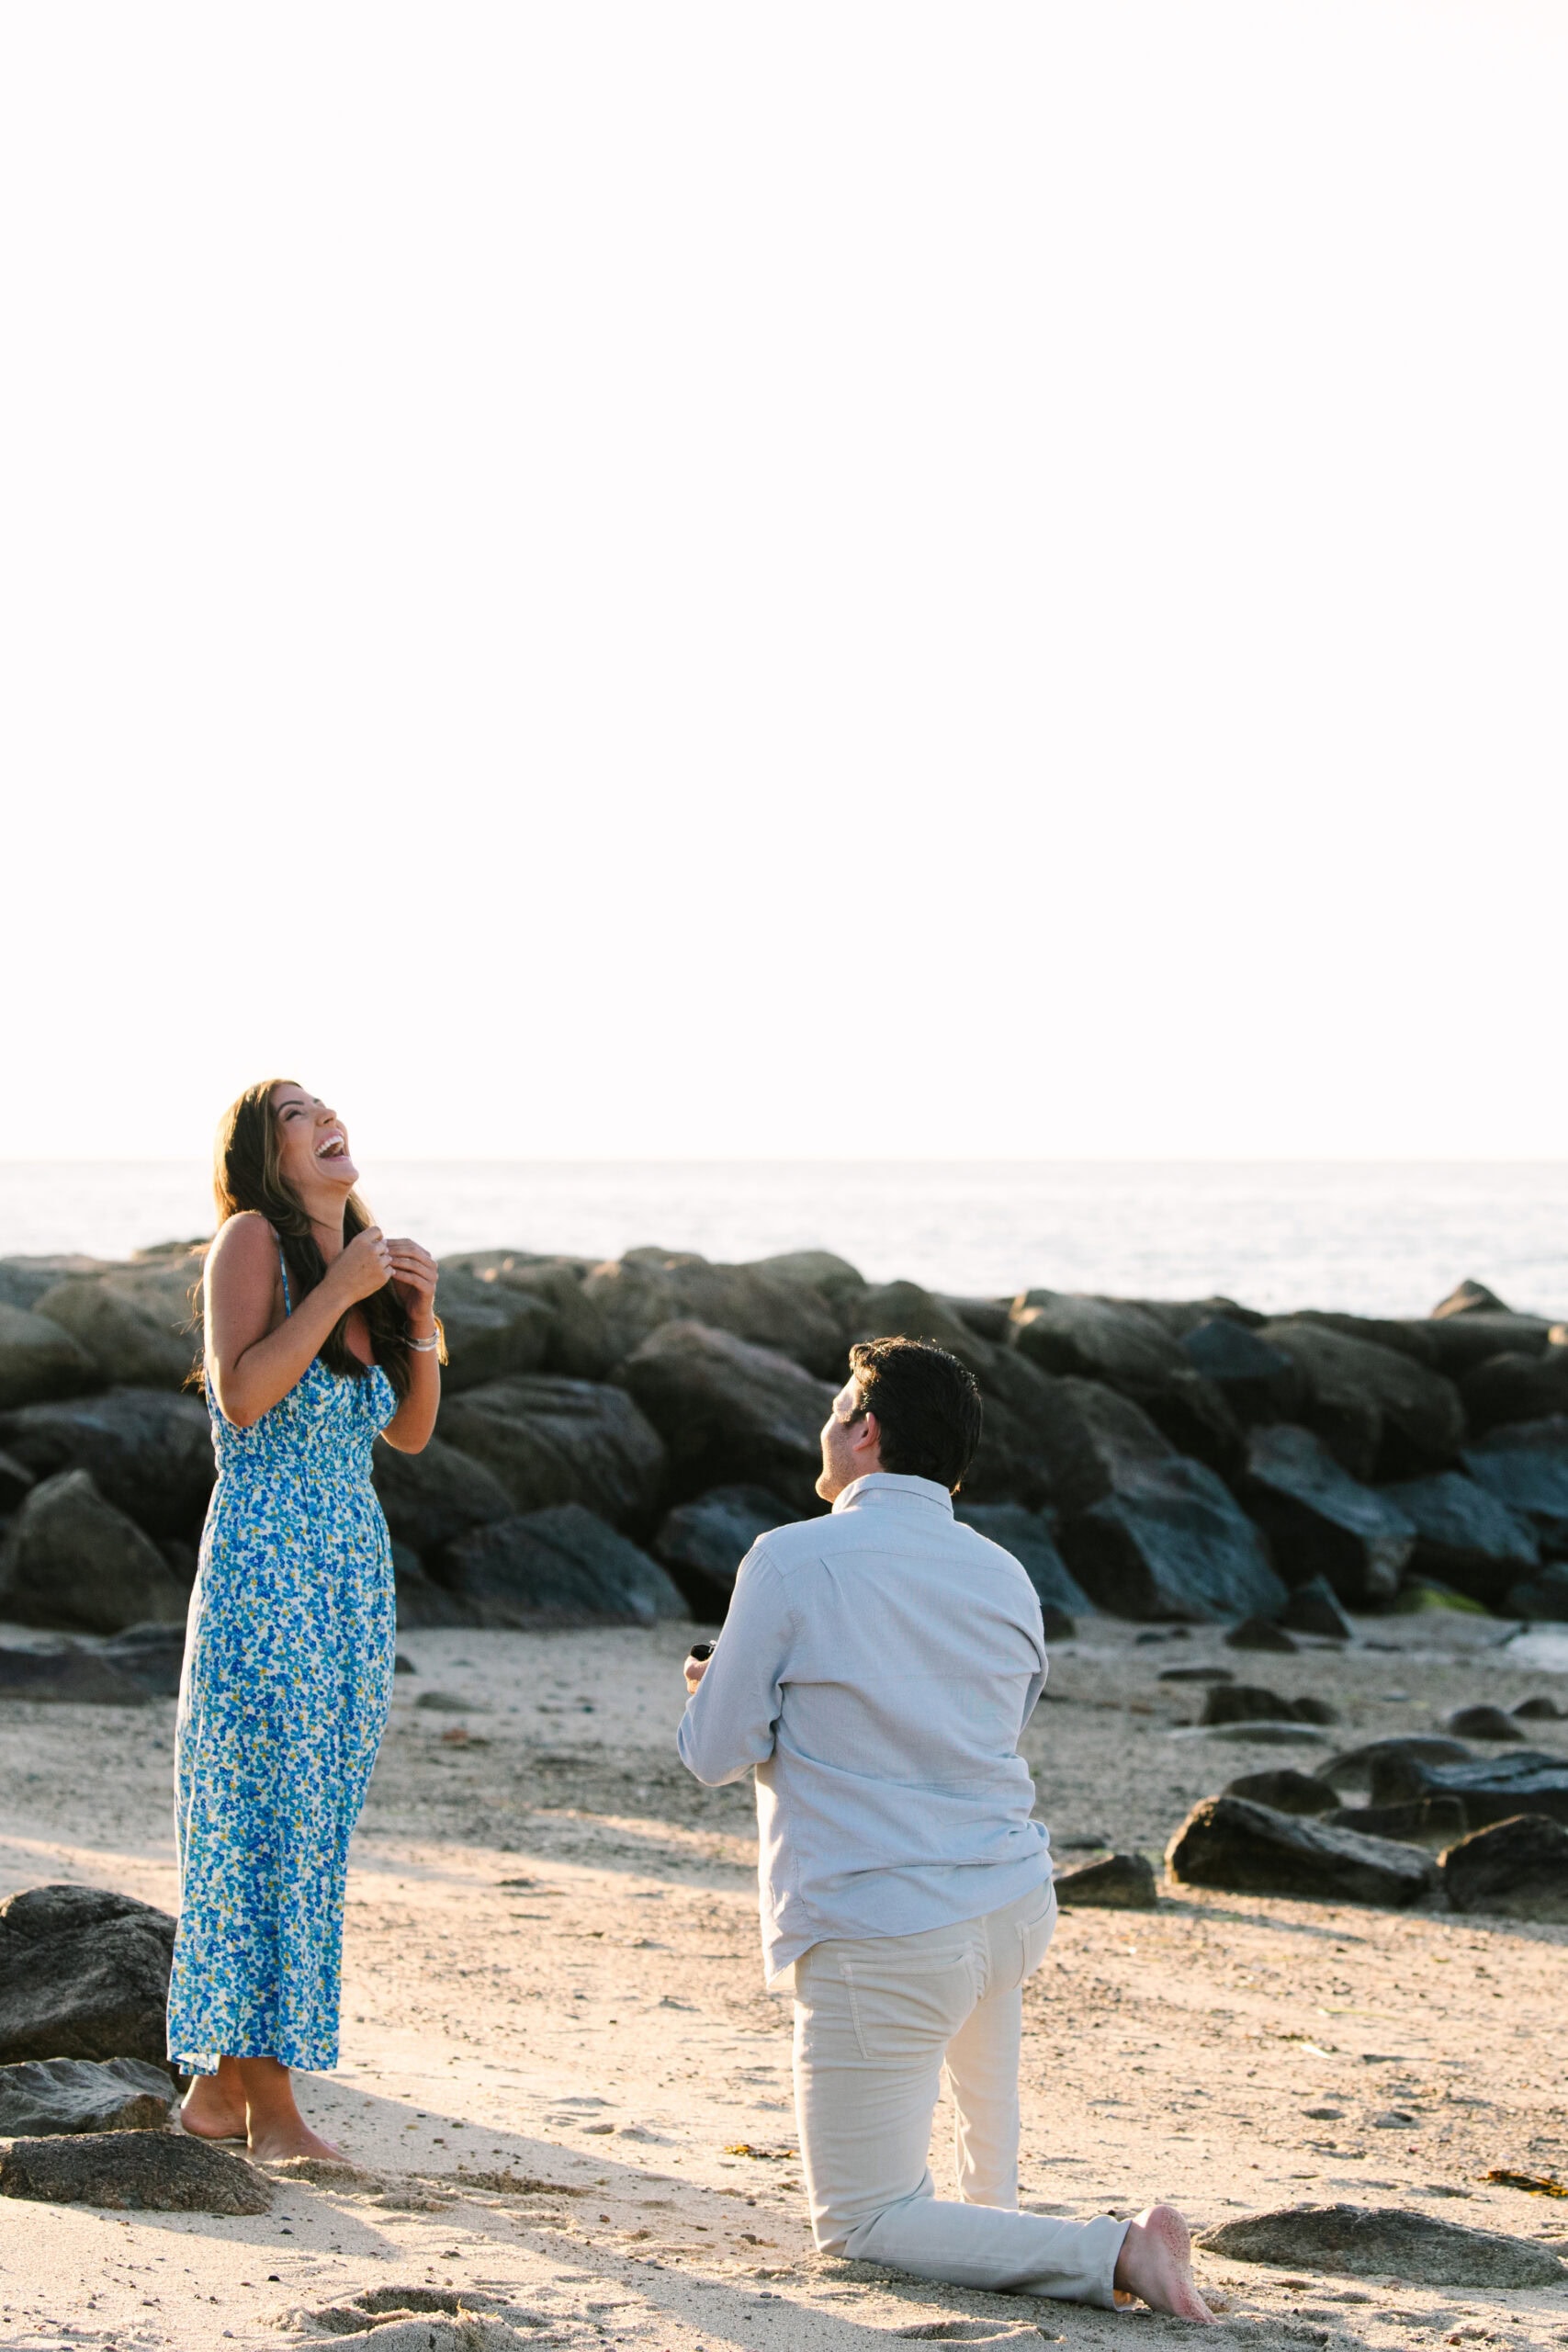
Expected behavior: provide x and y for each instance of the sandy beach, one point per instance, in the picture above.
(570, 2090)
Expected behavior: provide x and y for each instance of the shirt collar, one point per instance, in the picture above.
(887, 1487)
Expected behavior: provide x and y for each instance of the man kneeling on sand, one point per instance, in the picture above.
(877, 1667)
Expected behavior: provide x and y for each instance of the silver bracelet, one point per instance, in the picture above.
(425, 1347)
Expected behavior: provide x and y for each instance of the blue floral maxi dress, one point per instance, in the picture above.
(284, 1694)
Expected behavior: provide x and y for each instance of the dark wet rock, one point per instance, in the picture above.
(1516, 1869)
(1514, 1387)
(1096, 1338)
(1121, 1882)
(1312, 1608)
(638, 1294)
(40, 1359)
(1199, 1420)
(1525, 1464)
(1092, 1440)
(1372, 2241)
(988, 1319)
(1028, 1536)
(1258, 1382)
(1464, 1536)
(1170, 1542)
(493, 1331)
(1461, 1343)
(1261, 1634)
(1285, 1790)
(730, 1414)
(833, 1278)
(70, 1559)
(127, 1337)
(1248, 1848)
(904, 1309)
(152, 2172)
(1195, 1674)
(1359, 1768)
(1180, 1316)
(67, 1677)
(1490, 1788)
(1540, 1709)
(430, 1496)
(42, 2097)
(1379, 1414)
(422, 1602)
(548, 1441)
(560, 1567)
(1246, 1703)
(1482, 1722)
(151, 1654)
(1430, 1821)
(577, 1342)
(1012, 1464)
(84, 1973)
(150, 1453)
(14, 1481)
(1321, 1522)
(1541, 1600)
(1405, 1336)
(702, 1544)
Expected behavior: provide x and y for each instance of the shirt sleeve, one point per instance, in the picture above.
(733, 1713)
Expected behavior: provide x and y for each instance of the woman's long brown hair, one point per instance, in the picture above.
(247, 1174)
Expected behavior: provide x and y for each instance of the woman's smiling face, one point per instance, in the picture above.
(312, 1143)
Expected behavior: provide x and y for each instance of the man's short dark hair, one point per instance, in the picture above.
(927, 1404)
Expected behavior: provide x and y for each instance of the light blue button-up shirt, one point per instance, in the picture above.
(877, 1667)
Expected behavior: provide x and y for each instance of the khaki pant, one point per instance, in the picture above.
(875, 2022)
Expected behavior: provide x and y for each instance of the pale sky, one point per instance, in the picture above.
(844, 580)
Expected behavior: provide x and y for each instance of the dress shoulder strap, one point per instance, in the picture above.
(283, 1269)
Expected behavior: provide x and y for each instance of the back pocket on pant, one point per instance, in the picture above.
(912, 2011)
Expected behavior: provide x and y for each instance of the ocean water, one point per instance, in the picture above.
(1375, 1237)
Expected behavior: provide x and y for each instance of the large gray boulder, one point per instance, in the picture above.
(1517, 1869)
(41, 2097)
(1464, 1536)
(640, 1292)
(1541, 1600)
(1526, 1466)
(491, 1329)
(1514, 1387)
(84, 1973)
(561, 1567)
(67, 1677)
(1091, 1440)
(1248, 1848)
(430, 1496)
(1259, 1383)
(1029, 1536)
(126, 1337)
(70, 1559)
(833, 1278)
(149, 2172)
(1321, 1522)
(38, 1360)
(1171, 1543)
(150, 1453)
(579, 1343)
(730, 1414)
(548, 1439)
(23, 1281)
(1379, 2241)
(702, 1543)
(1380, 1413)
(1096, 1338)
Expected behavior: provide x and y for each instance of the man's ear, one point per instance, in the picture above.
(868, 1435)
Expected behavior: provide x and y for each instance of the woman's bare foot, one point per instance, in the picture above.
(1156, 2265)
(277, 2129)
(279, 2140)
(213, 2108)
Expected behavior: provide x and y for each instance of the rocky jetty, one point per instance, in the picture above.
(613, 1436)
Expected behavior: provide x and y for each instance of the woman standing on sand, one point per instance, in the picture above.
(320, 1334)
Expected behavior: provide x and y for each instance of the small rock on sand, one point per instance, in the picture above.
(1482, 1722)
(1514, 1869)
(1370, 2241)
(1285, 1789)
(42, 2097)
(155, 2172)
(1249, 1849)
(1121, 1882)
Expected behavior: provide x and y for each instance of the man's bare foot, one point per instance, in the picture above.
(277, 2141)
(208, 2112)
(1156, 2265)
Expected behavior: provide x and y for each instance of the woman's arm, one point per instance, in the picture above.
(249, 1365)
(415, 1274)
